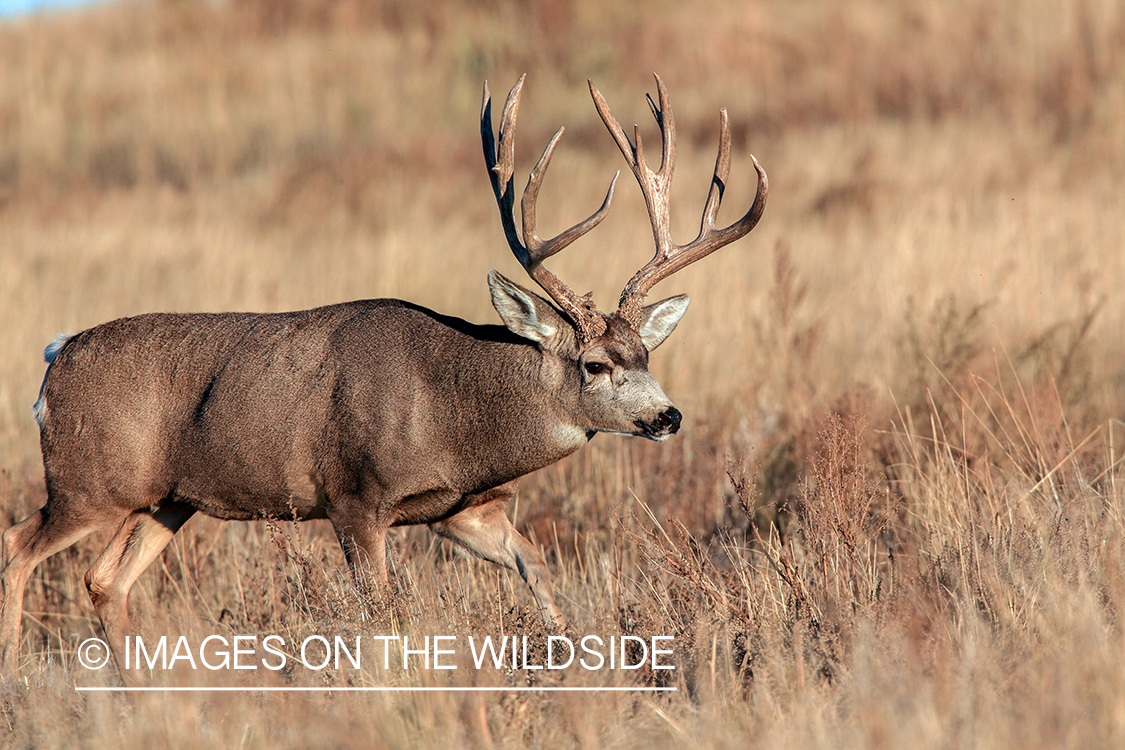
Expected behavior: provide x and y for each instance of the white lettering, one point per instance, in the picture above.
(182, 651)
(327, 652)
(588, 650)
(657, 651)
(497, 656)
(275, 652)
(439, 651)
(551, 640)
(225, 663)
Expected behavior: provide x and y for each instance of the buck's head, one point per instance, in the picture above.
(616, 392)
(608, 354)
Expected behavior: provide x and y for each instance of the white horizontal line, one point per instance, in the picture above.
(378, 689)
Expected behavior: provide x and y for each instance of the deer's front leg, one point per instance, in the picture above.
(484, 529)
(365, 548)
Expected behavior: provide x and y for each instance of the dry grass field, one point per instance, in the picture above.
(895, 515)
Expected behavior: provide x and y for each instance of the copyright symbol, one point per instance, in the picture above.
(93, 653)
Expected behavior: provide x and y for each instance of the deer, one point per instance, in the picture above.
(371, 414)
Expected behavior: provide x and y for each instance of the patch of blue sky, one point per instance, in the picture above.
(16, 7)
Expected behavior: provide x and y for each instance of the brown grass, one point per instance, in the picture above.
(912, 371)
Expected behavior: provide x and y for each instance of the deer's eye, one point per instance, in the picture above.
(596, 368)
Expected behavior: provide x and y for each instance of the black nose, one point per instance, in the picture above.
(669, 420)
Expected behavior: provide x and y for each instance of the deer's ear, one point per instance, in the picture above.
(659, 319)
(525, 314)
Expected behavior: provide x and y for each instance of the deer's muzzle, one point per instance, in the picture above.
(666, 424)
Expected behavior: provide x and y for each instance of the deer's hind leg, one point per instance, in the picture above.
(52, 528)
(140, 538)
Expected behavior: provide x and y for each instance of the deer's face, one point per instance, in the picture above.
(616, 392)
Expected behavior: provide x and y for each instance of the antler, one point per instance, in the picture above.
(671, 257)
(531, 251)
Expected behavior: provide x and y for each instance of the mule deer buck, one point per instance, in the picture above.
(370, 414)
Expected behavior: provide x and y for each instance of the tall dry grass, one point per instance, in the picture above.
(894, 516)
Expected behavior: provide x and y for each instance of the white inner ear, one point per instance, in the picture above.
(660, 320)
(519, 311)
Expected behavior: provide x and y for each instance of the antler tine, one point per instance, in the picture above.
(538, 249)
(529, 249)
(667, 124)
(500, 160)
(654, 185)
(669, 256)
(709, 239)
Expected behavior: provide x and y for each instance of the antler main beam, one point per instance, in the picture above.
(529, 249)
(655, 186)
